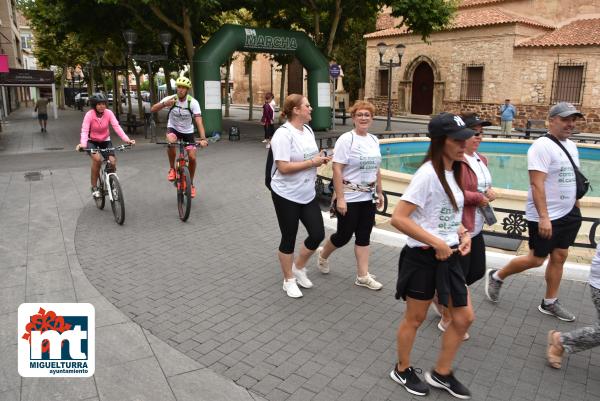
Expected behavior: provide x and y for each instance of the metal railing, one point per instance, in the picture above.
(513, 225)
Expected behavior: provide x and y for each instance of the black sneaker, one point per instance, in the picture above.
(448, 383)
(409, 379)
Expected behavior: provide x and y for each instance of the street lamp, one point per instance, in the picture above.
(382, 48)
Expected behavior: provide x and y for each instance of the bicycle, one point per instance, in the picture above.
(108, 184)
(183, 180)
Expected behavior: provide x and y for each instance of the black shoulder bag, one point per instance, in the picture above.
(582, 184)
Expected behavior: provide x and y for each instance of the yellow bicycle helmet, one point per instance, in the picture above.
(183, 81)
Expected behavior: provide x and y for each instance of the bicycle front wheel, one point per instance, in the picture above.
(101, 199)
(184, 193)
(117, 203)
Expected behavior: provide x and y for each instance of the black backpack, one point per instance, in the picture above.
(269, 165)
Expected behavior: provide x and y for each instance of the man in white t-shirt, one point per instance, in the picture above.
(552, 210)
(184, 111)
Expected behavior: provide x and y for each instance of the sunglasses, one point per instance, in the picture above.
(477, 134)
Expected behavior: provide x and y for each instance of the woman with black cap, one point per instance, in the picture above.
(476, 181)
(430, 213)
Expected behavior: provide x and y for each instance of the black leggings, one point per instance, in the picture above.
(473, 264)
(289, 214)
(359, 220)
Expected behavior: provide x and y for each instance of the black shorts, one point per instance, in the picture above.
(182, 136)
(420, 275)
(101, 145)
(42, 116)
(473, 264)
(564, 233)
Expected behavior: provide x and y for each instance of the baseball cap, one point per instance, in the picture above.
(449, 125)
(564, 109)
(475, 120)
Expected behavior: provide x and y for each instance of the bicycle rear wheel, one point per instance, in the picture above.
(184, 193)
(101, 199)
(117, 203)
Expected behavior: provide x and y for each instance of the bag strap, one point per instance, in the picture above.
(556, 141)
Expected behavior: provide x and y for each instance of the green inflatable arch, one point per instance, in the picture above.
(209, 58)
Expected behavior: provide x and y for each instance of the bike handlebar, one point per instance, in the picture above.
(179, 142)
(120, 148)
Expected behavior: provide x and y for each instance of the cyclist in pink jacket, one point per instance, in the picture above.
(95, 135)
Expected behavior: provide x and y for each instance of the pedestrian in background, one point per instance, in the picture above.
(41, 106)
(508, 112)
(267, 119)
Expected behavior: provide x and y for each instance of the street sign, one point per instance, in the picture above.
(334, 70)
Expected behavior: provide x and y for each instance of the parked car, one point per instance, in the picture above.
(110, 98)
(82, 97)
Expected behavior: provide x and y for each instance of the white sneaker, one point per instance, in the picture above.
(268, 146)
(301, 277)
(291, 288)
(322, 263)
(369, 282)
(96, 192)
(264, 141)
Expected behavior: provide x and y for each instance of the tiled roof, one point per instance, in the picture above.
(470, 18)
(473, 3)
(584, 32)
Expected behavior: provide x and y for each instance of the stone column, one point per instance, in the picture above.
(438, 96)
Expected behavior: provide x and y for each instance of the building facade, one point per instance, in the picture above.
(533, 52)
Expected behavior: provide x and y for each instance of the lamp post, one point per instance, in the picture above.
(272, 64)
(382, 48)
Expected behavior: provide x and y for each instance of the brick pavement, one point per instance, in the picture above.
(211, 288)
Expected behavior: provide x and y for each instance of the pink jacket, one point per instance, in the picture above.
(96, 129)
(468, 180)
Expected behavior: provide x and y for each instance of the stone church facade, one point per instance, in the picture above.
(533, 52)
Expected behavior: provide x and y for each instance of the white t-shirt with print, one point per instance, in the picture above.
(484, 181)
(362, 157)
(291, 145)
(434, 212)
(546, 156)
(179, 117)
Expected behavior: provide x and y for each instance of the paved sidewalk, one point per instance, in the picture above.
(210, 289)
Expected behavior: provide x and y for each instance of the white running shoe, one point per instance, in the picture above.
(322, 263)
(369, 282)
(291, 288)
(301, 277)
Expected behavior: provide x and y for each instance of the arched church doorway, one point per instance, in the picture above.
(422, 90)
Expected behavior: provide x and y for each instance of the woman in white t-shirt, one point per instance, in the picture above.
(476, 181)
(357, 183)
(430, 213)
(296, 157)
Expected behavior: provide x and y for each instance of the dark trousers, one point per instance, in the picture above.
(290, 214)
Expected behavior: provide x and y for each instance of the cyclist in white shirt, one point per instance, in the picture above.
(184, 111)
